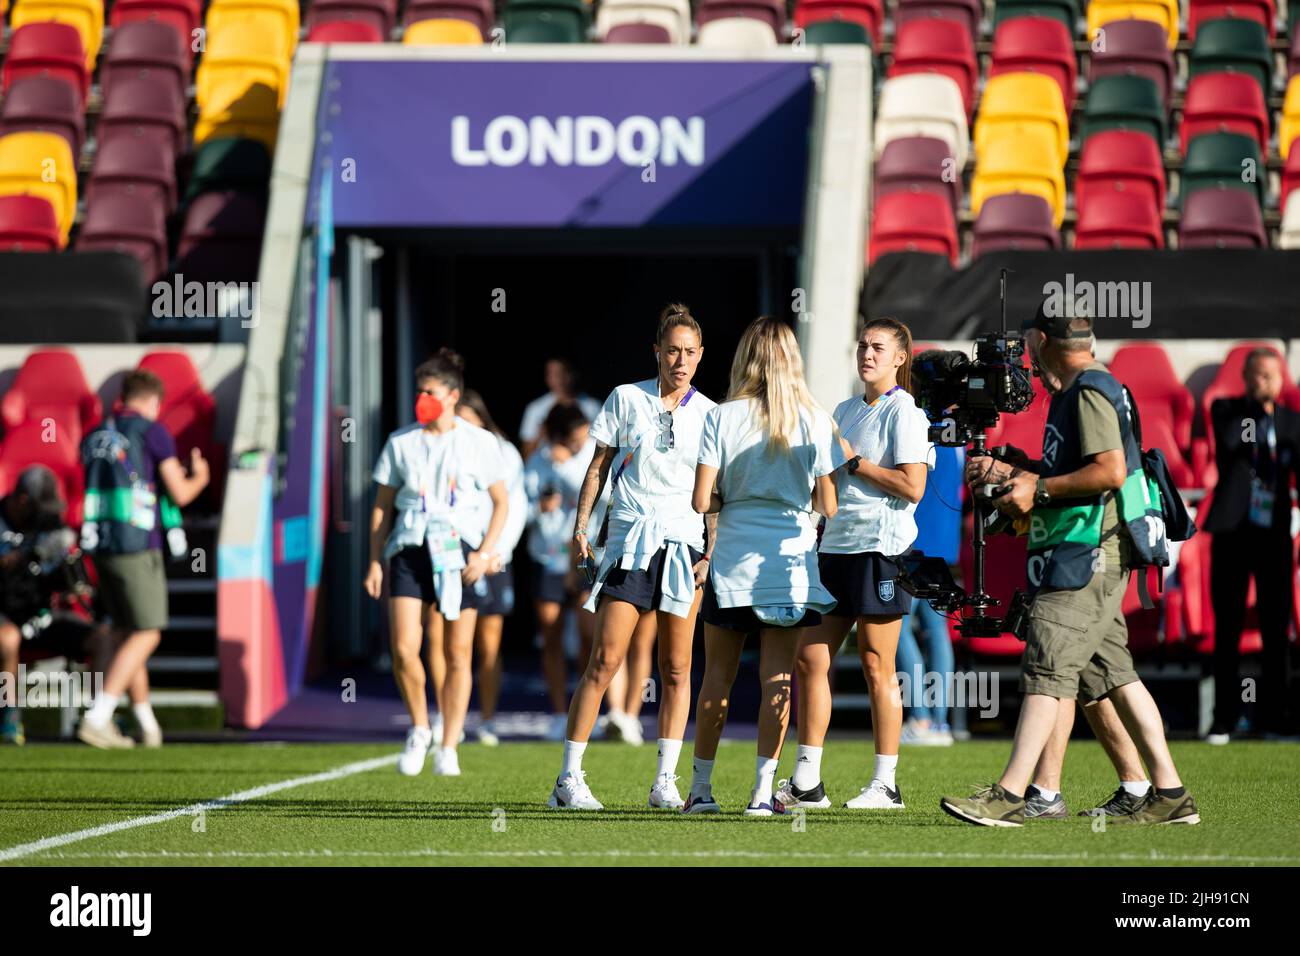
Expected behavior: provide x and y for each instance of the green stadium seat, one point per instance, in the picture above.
(835, 31)
(1124, 102)
(1065, 11)
(545, 21)
(1233, 45)
(229, 163)
(1219, 161)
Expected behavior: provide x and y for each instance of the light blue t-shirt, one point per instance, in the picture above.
(551, 532)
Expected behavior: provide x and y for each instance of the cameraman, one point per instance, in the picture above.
(1077, 642)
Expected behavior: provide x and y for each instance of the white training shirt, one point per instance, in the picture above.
(535, 412)
(766, 552)
(890, 431)
(551, 532)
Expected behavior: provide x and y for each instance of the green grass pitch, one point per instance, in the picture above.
(495, 813)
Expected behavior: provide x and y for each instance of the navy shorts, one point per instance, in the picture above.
(500, 593)
(641, 588)
(551, 586)
(864, 584)
(743, 619)
(410, 574)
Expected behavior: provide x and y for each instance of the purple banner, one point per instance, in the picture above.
(547, 145)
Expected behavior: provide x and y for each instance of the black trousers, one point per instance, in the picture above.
(1235, 557)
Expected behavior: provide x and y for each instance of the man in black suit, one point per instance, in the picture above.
(1258, 453)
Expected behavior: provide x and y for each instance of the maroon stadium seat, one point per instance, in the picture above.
(869, 13)
(1137, 48)
(1221, 218)
(142, 109)
(183, 16)
(148, 50)
(913, 222)
(1122, 157)
(638, 33)
(771, 12)
(938, 46)
(1037, 45)
(1014, 221)
(918, 164)
(1290, 175)
(1224, 103)
(51, 385)
(28, 224)
(46, 104)
(48, 49)
(1262, 12)
(379, 14)
(125, 224)
(1114, 220)
(26, 445)
(221, 238)
(344, 31)
(1293, 58)
(968, 12)
(127, 166)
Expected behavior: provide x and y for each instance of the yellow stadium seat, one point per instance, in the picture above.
(1163, 12)
(1019, 99)
(243, 57)
(280, 17)
(41, 164)
(436, 32)
(1023, 161)
(86, 15)
(1290, 126)
(238, 111)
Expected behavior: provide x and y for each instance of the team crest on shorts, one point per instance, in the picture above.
(885, 589)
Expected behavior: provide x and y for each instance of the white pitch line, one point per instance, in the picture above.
(243, 796)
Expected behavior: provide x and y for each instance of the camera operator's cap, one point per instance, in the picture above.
(1058, 326)
(39, 484)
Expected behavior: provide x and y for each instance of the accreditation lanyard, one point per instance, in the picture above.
(443, 535)
(1262, 490)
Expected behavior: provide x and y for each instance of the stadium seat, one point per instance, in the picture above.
(1114, 219)
(1023, 160)
(183, 16)
(918, 164)
(1223, 161)
(640, 33)
(479, 12)
(240, 112)
(47, 49)
(344, 31)
(1014, 221)
(221, 238)
(1102, 13)
(1289, 236)
(938, 46)
(771, 12)
(50, 385)
(1293, 58)
(237, 59)
(1126, 103)
(125, 224)
(1035, 44)
(1224, 103)
(672, 16)
(545, 21)
(1121, 157)
(26, 445)
(1289, 128)
(1135, 48)
(1262, 12)
(922, 104)
(147, 50)
(126, 166)
(188, 412)
(1065, 11)
(968, 12)
(1233, 45)
(268, 17)
(144, 109)
(1160, 394)
(1019, 100)
(1290, 177)
(373, 17)
(27, 224)
(442, 33)
(870, 14)
(736, 33)
(1194, 581)
(1227, 382)
(913, 222)
(26, 169)
(1221, 219)
(242, 164)
(87, 16)
(835, 31)
(45, 104)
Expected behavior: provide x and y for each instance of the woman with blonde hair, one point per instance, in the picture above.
(765, 468)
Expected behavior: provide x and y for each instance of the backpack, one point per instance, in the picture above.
(122, 504)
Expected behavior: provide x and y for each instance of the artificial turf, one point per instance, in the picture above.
(495, 813)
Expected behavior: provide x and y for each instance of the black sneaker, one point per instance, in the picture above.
(791, 797)
(1121, 803)
(1038, 807)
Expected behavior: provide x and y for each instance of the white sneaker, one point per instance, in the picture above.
(486, 734)
(791, 797)
(417, 748)
(1218, 740)
(876, 796)
(446, 763)
(761, 808)
(624, 727)
(572, 793)
(664, 795)
(105, 736)
(701, 803)
(916, 734)
(437, 730)
(151, 737)
(557, 728)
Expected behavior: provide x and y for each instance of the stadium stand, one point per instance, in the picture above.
(1014, 221)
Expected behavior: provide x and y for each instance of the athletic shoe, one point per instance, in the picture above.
(876, 796)
(557, 727)
(1218, 735)
(1156, 809)
(631, 729)
(417, 748)
(941, 735)
(436, 727)
(446, 763)
(1038, 807)
(1121, 803)
(766, 808)
(916, 734)
(11, 727)
(151, 738)
(486, 734)
(697, 803)
(791, 797)
(989, 806)
(664, 795)
(572, 793)
(104, 736)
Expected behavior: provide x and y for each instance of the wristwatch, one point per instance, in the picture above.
(1041, 497)
(851, 466)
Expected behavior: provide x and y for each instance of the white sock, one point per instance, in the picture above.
(807, 767)
(1136, 788)
(145, 717)
(573, 751)
(701, 777)
(886, 765)
(1048, 795)
(764, 777)
(669, 751)
(101, 711)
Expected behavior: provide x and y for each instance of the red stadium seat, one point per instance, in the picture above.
(1005, 561)
(51, 387)
(188, 412)
(771, 12)
(148, 50)
(1291, 173)
(48, 49)
(967, 12)
(1138, 48)
(26, 445)
(478, 12)
(1121, 157)
(1221, 219)
(938, 46)
(1143, 623)
(1115, 219)
(221, 238)
(1224, 103)
(344, 31)
(1150, 376)
(28, 224)
(125, 224)
(918, 164)
(1193, 575)
(142, 109)
(183, 16)
(869, 13)
(1014, 221)
(45, 104)
(1037, 44)
(126, 166)
(1262, 12)
(913, 222)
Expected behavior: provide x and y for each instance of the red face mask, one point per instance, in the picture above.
(427, 409)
